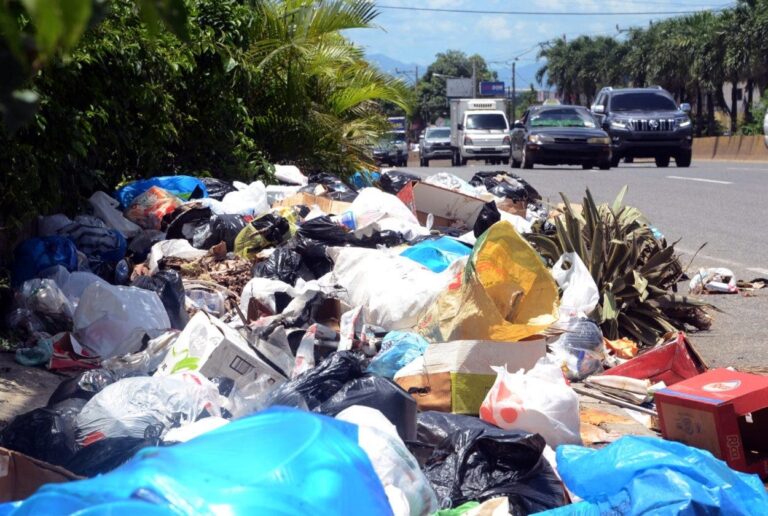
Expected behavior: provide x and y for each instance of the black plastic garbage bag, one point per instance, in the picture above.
(107, 454)
(512, 186)
(217, 188)
(185, 221)
(313, 255)
(467, 459)
(83, 386)
(392, 182)
(326, 231)
(487, 217)
(283, 264)
(335, 188)
(47, 434)
(317, 385)
(220, 228)
(382, 394)
(170, 287)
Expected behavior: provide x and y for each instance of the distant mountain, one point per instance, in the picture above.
(391, 66)
(526, 74)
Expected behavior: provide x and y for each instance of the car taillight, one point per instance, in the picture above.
(467, 140)
(507, 141)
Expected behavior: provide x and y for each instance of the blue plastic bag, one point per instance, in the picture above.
(280, 461)
(398, 349)
(648, 475)
(364, 178)
(184, 187)
(34, 255)
(437, 255)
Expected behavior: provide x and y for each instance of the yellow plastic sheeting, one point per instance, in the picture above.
(505, 294)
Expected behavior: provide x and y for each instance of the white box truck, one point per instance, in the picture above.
(480, 131)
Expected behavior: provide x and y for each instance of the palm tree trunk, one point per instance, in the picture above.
(710, 114)
(748, 103)
(734, 104)
(699, 111)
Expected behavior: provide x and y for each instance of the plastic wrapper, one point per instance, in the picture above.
(648, 475)
(467, 459)
(397, 469)
(283, 264)
(580, 350)
(169, 286)
(505, 184)
(106, 208)
(148, 209)
(437, 255)
(183, 187)
(146, 406)
(378, 393)
(298, 461)
(111, 321)
(398, 349)
(35, 255)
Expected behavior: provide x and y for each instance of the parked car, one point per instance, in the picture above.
(392, 150)
(765, 128)
(645, 123)
(436, 144)
(559, 135)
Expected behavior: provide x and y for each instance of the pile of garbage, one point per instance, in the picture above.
(384, 346)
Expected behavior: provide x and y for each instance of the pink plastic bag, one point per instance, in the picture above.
(148, 209)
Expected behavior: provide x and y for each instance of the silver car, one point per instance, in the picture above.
(436, 144)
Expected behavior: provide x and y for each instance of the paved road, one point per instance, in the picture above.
(722, 204)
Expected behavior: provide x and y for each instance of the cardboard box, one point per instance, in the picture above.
(449, 208)
(21, 475)
(723, 411)
(456, 376)
(327, 205)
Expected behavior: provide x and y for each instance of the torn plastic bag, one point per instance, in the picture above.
(272, 294)
(35, 255)
(105, 455)
(505, 184)
(185, 221)
(397, 469)
(320, 383)
(72, 284)
(83, 386)
(246, 200)
(393, 181)
(398, 349)
(467, 459)
(141, 245)
(580, 294)
(268, 230)
(283, 264)
(150, 208)
(144, 362)
(220, 228)
(169, 286)
(389, 213)
(48, 302)
(146, 406)
(437, 255)
(217, 188)
(648, 475)
(183, 187)
(487, 217)
(580, 350)
(392, 289)
(178, 248)
(111, 321)
(47, 434)
(505, 293)
(297, 461)
(106, 208)
(538, 401)
(381, 394)
(329, 186)
(313, 254)
(290, 174)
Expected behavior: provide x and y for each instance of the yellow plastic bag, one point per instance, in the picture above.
(505, 293)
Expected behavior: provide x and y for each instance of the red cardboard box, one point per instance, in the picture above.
(723, 411)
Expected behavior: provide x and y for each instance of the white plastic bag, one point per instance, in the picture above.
(136, 407)
(111, 320)
(290, 174)
(247, 200)
(538, 401)
(580, 294)
(408, 490)
(386, 212)
(106, 208)
(716, 279)
(177, 248)
(392, 289)
(188, 432)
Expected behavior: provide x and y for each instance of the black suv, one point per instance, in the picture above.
(645, 123)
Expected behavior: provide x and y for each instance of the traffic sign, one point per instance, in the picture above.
(492, 88)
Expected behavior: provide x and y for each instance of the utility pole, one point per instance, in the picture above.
(408, 73)
(474, 79)
(514, 92)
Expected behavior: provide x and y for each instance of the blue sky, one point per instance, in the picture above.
(415, 37)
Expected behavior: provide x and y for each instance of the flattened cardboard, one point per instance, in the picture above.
(21, 475)
(327, 205)
(447, 207)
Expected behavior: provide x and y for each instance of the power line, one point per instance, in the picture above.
(539, 13)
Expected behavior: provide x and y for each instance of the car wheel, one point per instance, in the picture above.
(604, 165)
(515, 163)
(615, 161)
(587, 166)
(662, 161)
(526, 161)
(464, 162)
(629, 159)
(505, 161)
(421, 162)
(455, 159)
(683, 159)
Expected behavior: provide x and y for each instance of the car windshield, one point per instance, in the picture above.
(439, 133)
(564, 117)
(488, 121)
(395, 137)
(642, 101)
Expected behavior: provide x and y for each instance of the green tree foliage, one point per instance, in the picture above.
(431, 88)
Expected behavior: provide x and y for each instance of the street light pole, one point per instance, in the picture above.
(474, 79)
(514, 92)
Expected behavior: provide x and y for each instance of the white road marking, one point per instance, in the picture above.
(751, 169)
(758, 270)
(711, 258)
(701, 179)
